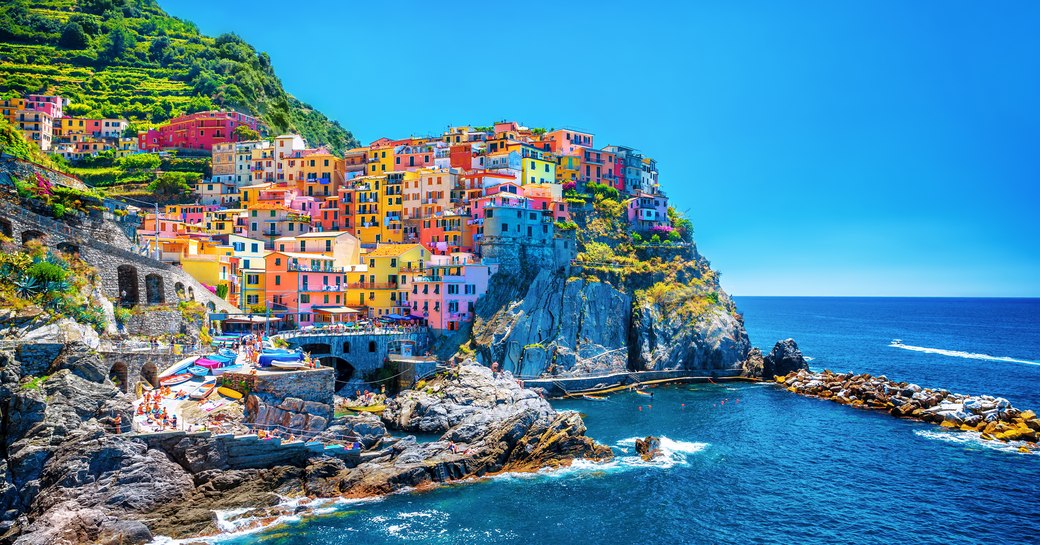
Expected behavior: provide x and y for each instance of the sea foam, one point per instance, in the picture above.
(961, 354)
(972, 439)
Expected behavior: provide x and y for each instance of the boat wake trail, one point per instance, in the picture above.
(961, 354)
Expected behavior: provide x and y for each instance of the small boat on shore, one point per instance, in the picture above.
(198, 370)
(288, 365)
(228, 392)
(367, 409)
(203, 391)
(174, 380)
(227, 369)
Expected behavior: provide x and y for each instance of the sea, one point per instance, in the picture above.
(752, 463)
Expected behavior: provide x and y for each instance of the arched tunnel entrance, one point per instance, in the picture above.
(150, 374)
(117, 374)
(344, 370)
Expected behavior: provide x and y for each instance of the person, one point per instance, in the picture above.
(119, 424)
(173, 421)
(453, 448)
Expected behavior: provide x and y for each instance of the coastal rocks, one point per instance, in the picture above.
(993, 418)
(489, 424)
(466, 401)
(367, 428)
(648, 448)
(291, 415)
(782, 360)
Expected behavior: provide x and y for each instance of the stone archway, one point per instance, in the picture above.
(344, 370)
(6, 228)
(178, 288)
(211, 307)
(154, 289)
(191, 293)
(68, 248)
(30, 235)
(117, 374)
(150, 374)
(129, 294)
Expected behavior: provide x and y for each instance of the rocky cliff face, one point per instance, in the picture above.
(584, 326)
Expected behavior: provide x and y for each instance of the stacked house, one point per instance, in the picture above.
(405, 229)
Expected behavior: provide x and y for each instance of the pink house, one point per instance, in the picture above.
(567, 141)
(51, 105)
(446, 293)
(648, 211)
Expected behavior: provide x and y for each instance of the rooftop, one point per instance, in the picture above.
(391, 250)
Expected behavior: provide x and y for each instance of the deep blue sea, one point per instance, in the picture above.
(752, 463)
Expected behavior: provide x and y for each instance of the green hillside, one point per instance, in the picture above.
(128, 58)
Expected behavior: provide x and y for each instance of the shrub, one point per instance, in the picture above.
(57, 210)
(44, 271)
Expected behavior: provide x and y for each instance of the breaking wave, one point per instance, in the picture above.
(961, 354)
(971, 439)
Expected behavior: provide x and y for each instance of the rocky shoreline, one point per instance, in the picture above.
(69, 479)
(993, 418)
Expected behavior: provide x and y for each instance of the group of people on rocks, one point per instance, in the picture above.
(153, 410)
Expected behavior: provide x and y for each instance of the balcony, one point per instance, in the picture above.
(373, 286)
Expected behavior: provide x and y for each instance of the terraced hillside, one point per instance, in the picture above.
(128, 58)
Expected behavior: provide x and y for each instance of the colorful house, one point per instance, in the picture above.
(446, 292)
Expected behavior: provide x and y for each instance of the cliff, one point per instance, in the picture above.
(621, 305)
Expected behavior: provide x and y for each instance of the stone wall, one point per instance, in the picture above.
(126, 277)
(200, 451)
(520, 257)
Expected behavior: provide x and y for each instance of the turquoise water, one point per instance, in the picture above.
(755, 464)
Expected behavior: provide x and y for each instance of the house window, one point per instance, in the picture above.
(277, 280)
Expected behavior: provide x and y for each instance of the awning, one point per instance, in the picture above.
(251, 319)
(335, 310)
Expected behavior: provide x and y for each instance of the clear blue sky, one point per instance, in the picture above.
(820, 147)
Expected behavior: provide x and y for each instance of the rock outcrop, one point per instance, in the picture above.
(783, 359)
(993, 417)
(580, 326)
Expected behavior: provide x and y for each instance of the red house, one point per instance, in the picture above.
(199, 131)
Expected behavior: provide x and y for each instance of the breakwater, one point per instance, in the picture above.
(992, 417)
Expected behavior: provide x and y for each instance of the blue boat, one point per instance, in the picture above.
(198, 370)
(266, 358)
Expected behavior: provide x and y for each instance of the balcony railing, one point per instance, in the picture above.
(373, 285)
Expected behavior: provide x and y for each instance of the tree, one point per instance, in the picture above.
(245, 134)
(117, 43)
(73, 36)
(170, 184)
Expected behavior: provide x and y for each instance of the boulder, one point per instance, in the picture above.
(783, 359)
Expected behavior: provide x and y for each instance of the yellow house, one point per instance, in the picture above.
(568, 168)
(251, 193)
(222, 222)
(392, 206)
(315, 173)
(367, 213)
(382, 286)
(214, 265)
(381, 159)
